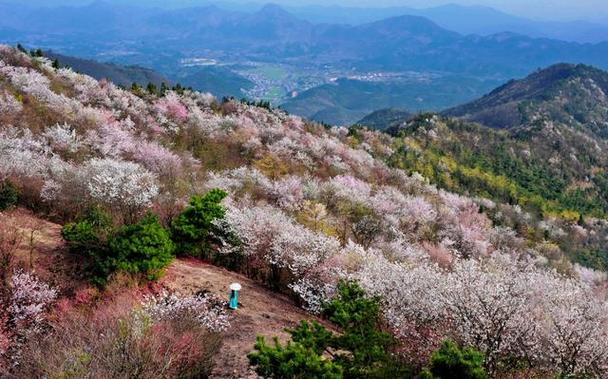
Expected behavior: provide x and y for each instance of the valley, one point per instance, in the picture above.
(196, 189)
(271, 54)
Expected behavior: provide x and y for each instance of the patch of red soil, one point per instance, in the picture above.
(261, 312)
(42, 250)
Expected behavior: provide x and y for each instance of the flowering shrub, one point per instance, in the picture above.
(123, 186)
(27, 299)
(119, 339)
(304, 207)
(209, 311)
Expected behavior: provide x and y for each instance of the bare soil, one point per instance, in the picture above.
(42, 250)
(261, 312)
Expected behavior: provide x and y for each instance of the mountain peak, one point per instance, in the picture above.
(409, 24)
(568, 93)
(407, 19)
(273, 10)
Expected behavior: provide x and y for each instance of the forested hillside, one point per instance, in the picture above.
(410, 279)
(574, 95)
(549, 170)
(329, 71)
(538, 143)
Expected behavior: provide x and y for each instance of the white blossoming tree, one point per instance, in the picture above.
(123, 186)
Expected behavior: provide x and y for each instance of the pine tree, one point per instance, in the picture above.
(151, 88)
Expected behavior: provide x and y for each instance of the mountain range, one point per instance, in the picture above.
(475, 19)
(539, 142)
(123, 76)
(464, 19)
(335, 73)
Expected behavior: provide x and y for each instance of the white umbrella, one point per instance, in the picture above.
(235, 287)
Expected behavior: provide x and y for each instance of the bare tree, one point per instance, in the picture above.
(10, 239)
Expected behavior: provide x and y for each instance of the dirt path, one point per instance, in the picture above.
(262, 312)
(41, 249)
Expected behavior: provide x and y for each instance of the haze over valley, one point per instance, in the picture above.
(361, 190)
(311, 64)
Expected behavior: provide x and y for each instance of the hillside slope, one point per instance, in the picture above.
(261, 312)
(541, 144)
(569, 94)
(120, 75)
(296, 207)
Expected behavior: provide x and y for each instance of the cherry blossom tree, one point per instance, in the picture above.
(576, 338)
(62, 137)
(287, 192)
(9, 104)
(171, 106)
(271, 239)
(208, 310)
(124, 186)
(28, 300)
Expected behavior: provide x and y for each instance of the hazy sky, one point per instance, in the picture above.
(541, 9)
(547, 9)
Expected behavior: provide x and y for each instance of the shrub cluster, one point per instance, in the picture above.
(121, 340)
(9, 195)
(361, 350)
(191, 230)
(450, 362)
(144, 248)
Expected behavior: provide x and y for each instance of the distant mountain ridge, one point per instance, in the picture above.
(408, 42)
(384, 118)
(570, 94)
(473, 19)
(405, 61)
(119, 75)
